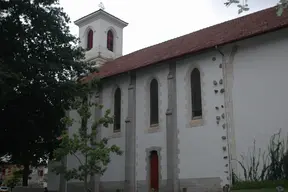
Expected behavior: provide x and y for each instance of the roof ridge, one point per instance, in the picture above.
(222, 33)
(199, 30)
(99, 11)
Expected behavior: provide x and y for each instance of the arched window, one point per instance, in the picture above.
(110, 40)
(90, 40)
(196, 94)
(154, 108)
(117, 110)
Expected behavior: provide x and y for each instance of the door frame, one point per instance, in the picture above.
(148, 165)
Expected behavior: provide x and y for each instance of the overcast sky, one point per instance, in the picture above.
(155, 21)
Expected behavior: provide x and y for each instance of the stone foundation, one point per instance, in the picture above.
(201, 185)
(212, 184)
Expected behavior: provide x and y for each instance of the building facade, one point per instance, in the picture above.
(186, 109)
(36, 179)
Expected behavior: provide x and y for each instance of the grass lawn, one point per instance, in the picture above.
(257, 190)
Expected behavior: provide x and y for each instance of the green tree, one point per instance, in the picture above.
(243, 5)
(93, 155)
(14, 180)
(39, 62)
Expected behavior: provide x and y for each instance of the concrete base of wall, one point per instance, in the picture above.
(75, 187)
(186, 185)
(212, 184)
(112, 186)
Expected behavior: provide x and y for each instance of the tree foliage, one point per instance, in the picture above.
(243, 5)
(39, 61)
(14, 179)
(92, 155)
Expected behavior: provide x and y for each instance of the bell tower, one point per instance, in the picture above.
(101, 35)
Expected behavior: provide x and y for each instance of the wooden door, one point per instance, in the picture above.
(154, 171)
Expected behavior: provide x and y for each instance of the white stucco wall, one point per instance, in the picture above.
(146, 137)
(201, 154)
(118, 37)
(72, 161)
(53, 178)
(116, 168)
(100, 28)
(259, 90)
(259, 106)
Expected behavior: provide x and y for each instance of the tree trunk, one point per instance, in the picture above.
(25, 176)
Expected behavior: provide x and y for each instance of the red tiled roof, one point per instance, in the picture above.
(220, 34)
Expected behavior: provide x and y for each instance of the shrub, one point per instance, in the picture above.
(264, 169)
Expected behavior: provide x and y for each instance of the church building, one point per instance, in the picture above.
(186, 109)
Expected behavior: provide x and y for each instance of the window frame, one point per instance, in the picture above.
(117, 110)
(198, 94)
(154, 104)
(90, 36)
(110, 40)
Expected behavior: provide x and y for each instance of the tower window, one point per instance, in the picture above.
(117, 110)
(154, 108)
(110, 40)
(196, 94)
(90, 40)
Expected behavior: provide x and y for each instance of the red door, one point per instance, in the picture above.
(154, 171)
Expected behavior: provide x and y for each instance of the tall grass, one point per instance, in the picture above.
(265, 165)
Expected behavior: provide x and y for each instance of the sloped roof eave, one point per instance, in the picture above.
(142, 58)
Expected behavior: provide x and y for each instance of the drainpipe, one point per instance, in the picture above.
(216, 47)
